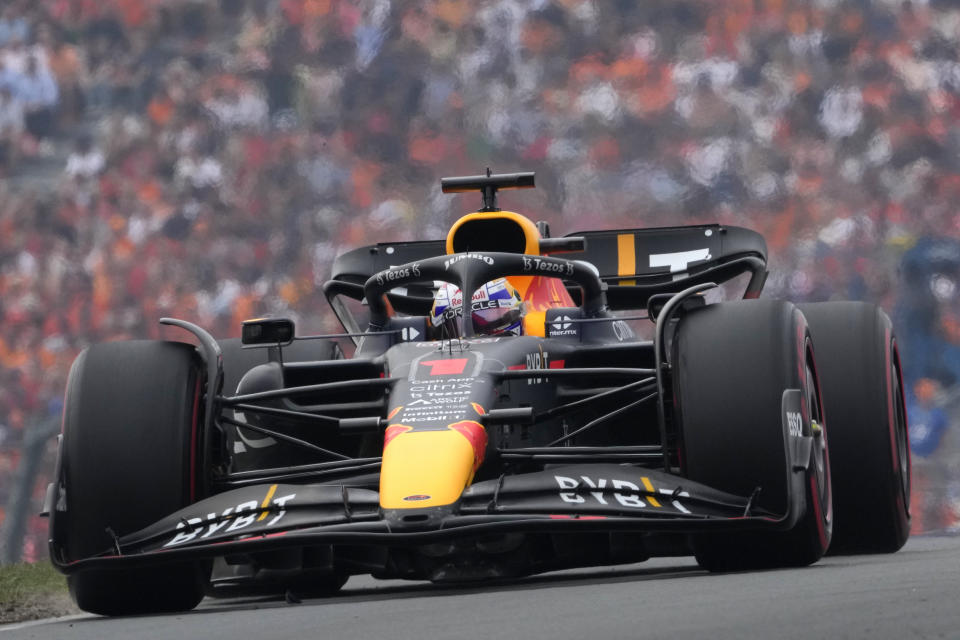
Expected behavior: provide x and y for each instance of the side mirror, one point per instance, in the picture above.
(267, 331)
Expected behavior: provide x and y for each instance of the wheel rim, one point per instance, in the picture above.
(900, 430)
(820, 457)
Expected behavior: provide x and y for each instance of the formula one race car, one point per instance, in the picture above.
(518, 429)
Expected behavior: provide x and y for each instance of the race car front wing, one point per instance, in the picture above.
(584, 497)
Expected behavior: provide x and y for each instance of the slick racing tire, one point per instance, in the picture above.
(859, 367)
(733, 364)
(130, 435)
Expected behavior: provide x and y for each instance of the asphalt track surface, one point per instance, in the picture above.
(912, 594)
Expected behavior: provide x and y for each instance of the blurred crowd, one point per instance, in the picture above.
(222, 152)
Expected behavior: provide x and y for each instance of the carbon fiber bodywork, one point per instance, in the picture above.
(573, 453)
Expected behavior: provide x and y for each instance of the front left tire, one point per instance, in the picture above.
(130, 448)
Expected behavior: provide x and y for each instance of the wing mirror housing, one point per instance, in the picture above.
(267, 331)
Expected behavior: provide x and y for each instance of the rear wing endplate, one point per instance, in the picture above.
(639, 263)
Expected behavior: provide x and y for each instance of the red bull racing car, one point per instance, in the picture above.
(497, 416)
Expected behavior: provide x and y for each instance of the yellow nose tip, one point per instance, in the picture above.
(425, 469)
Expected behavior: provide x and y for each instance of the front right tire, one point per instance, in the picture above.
(732, 364)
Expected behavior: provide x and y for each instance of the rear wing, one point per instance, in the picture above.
(635, 264)
(359, 264)
(353, 268)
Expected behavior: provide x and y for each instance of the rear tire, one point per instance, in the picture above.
(863, 394)
(131, 428)
(732, 364)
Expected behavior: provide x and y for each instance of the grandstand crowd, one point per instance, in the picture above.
(222, 152)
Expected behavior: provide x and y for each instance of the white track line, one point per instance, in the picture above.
(34, 623)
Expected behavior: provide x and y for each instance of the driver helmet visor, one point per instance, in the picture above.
(495, 307)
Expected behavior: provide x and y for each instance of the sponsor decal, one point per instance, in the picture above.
(795, 424)
(456, 345)
(461, 385)
(483, 305)
(539, 360)
(678, 261)
(479, 302)
(622, 492)
(465, 256)
(232, 519)
(394, 412)
(795, 417)
(434, 415)
(416, 497)
(562, 326)
(547, 266)
(478, 408)
(390, 275)
(440, 400)
(409, 334)
(536, 361)
(446, 367)
(429, 366)
(439, 389)
(455, 298)
(436, 400)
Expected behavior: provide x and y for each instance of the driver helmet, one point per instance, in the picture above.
(496, 307)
